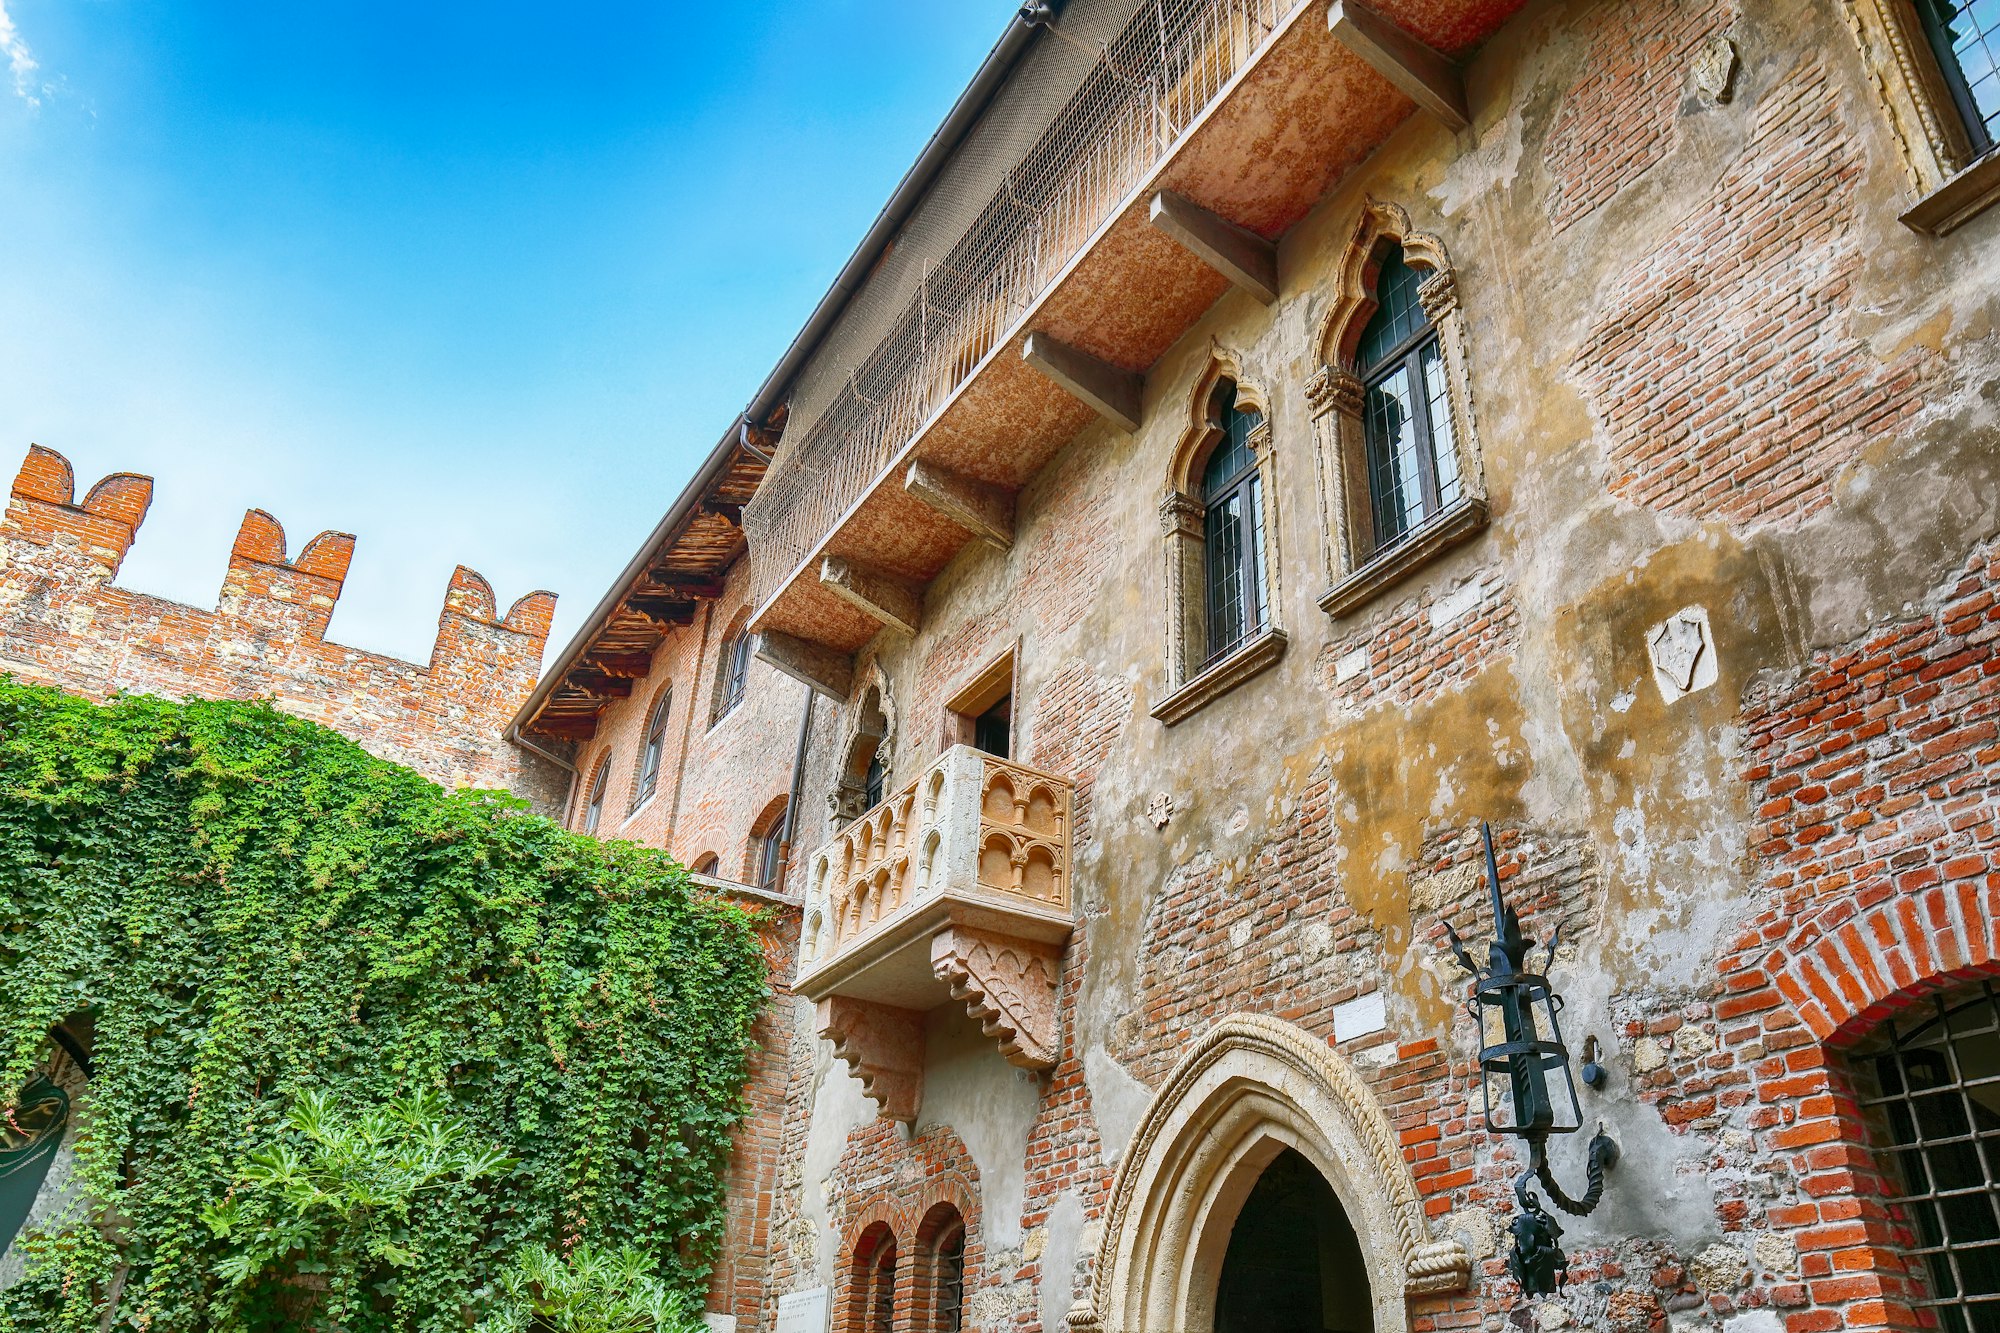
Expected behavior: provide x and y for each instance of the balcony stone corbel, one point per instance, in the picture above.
(883, 1046)
(1009, 985)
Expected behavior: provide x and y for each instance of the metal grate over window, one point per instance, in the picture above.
(1929, 1084)
(1965, 37)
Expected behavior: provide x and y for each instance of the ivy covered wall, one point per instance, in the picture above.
(358, 1044)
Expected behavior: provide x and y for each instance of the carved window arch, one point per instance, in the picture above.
(1400, 473)
(864, 772)
(592, 813)
(1931, 62)
(1220, 529)
(652, 749)
(709, 864)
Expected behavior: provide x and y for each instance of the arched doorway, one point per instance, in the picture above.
(1293, 1264)
(1252, 1093)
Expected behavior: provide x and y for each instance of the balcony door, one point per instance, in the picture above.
(981, 714)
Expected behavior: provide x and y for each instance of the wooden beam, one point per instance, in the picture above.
(1102, 387)
(1430, 80)
(1237, 253)
(568, 728)
(882, 597)
(625, 666)
(662, 611)
(598, 685)
(987, 512)
(728, 513)
(823, 668)
(667, 583)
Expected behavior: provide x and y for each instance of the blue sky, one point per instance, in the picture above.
(477, 283)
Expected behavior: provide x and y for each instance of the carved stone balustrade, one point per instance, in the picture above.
(955, 889)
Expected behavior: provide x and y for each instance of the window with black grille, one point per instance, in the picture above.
(949, 1310)
(1965, 37)
(771, 852)
(655, 747)
(593, 810)
(1406, 416)
(735, 673)
(1929, 1084)
(1233, 530)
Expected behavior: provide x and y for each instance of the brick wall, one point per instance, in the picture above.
(1078, 715)
(1877, 775)
(63, 621)
(1438, 640)
(1725, 369)
(1620, 116)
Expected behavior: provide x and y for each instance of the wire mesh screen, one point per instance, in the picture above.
(1140, 86)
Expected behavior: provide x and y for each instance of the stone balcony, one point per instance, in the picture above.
(954, 890)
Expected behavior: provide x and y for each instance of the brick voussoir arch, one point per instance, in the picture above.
(1839, 973)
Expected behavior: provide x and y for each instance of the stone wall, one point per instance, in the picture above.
(65, 622)
(1719, 391)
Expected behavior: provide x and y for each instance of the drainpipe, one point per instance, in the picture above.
(798, 772)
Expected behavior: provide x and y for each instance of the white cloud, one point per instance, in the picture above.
(20, 61)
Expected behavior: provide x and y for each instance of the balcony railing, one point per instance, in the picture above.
(955, 888)
(1150, 84)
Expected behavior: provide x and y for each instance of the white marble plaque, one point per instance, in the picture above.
(803, 1311)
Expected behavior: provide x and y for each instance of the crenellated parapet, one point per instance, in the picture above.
(65, 622)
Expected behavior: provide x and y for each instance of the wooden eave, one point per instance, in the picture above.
(682, 571)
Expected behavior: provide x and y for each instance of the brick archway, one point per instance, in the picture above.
(1801, 990)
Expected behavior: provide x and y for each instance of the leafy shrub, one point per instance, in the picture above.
(314, 973)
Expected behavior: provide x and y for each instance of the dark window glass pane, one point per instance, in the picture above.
(1394, 480)
(1398, 314)
(871, 784)
(1225, 536)
(992, 730)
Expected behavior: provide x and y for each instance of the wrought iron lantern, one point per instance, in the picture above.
(1513, 1008)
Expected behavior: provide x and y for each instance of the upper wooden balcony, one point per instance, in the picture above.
(1208, 130)
(955, 889)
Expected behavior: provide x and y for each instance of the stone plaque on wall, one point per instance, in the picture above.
(803, 1311)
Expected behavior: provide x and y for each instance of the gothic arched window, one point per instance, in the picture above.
(1412, 455)
(593, 808)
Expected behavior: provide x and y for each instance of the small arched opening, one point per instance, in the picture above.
(864, 773)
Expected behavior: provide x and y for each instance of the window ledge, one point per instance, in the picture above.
(1955, 202)
(638, 810)
(1215, 681)
(1460, 523)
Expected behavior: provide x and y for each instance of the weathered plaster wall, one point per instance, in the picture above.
(1709, 370)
